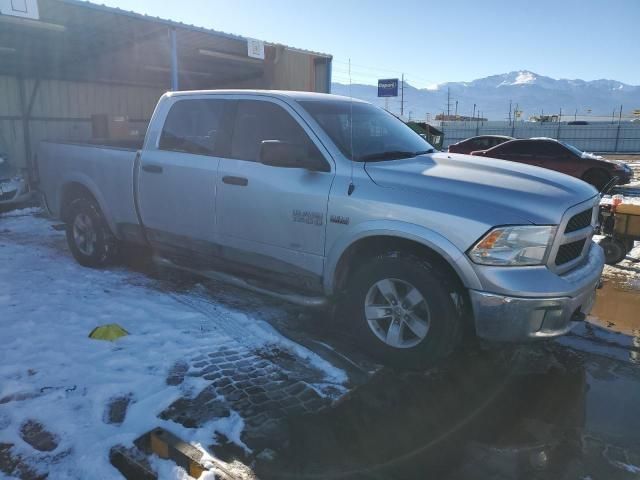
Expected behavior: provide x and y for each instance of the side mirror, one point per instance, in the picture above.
(276, 153)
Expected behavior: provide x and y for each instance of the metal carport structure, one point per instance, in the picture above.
(78, 58)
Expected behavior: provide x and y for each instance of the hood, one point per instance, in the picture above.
(602, 160)
(532, 194)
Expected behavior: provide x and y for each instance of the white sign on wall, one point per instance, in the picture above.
(255, 48)
(20, 8)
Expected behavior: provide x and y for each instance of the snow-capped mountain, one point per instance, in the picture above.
(532, 93)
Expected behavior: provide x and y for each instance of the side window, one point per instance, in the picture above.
(257, 121)
(192, 126)
(543, 148)
(482, 143)
(554, 149)
(512, 148)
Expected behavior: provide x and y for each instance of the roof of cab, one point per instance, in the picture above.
(288, 94)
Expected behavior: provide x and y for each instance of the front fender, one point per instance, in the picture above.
(407, 231)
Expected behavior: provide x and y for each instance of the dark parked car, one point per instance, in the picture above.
(562, 157)
(482, 142)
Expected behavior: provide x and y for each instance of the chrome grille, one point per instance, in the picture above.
(579, 221)
(569, 251)
(573, 237)
(8, 195)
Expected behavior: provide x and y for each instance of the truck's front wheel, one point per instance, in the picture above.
(405, 311)
(90, 240)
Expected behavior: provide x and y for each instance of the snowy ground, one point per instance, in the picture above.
(52, 373)
(200, 359)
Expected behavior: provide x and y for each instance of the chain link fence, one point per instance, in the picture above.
(623, 137)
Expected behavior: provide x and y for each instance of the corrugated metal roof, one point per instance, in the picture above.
(173, 23)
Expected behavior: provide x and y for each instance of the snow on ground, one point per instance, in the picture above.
(625, 274)
(52, 372)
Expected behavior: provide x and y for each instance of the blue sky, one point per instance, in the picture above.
(434, 41)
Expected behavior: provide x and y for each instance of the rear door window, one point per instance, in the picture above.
(481, 143)
(193, 126)
(554, 149)
(516, 148)
(257, 121)
(495, 141)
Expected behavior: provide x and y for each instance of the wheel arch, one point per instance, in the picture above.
(379, 237)
(595, 169)
(77, 187)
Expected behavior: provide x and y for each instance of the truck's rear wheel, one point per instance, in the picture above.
(90, 240)
(404, 311)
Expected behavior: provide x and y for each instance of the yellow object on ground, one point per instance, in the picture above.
(110, 332)
(166, 445)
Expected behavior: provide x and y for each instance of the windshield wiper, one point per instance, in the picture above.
(392, 155)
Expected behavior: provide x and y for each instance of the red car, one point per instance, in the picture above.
(482, 142)
(562, 157)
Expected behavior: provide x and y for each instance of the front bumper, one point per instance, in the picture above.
(623, 177)
(14, 191)
(501, 317)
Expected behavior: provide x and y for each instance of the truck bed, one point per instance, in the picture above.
(107, 171)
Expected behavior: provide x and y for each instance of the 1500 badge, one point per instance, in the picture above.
(310, 218)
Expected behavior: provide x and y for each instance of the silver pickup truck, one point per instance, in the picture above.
(326, 200)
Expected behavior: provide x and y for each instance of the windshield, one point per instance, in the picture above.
(377, 135)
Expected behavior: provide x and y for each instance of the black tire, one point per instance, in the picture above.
(629, 243)
(614, 250)
(104, 246)
(445, 314)
(597, 178)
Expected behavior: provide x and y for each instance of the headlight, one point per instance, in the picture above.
(512, 246)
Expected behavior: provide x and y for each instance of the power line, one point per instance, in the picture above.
(379, 69)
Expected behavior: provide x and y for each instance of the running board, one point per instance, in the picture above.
(296, 299)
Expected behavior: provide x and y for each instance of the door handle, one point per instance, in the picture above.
(239, 181)
(151, 168)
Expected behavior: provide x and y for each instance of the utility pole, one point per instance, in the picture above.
(474, 112)
(402, 97)
(509, 112)
(448, 102)
(456, 114)
(575, 115)
(620, 116)
(615, 149)
(613, 116)
(559, 120)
